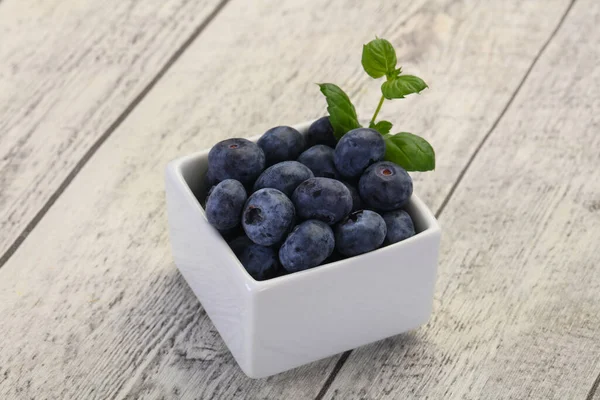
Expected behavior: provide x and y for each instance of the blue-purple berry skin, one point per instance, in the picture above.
(385, 186)
(281, 143)
(358, 149)
(361, 232)
(324, 199)
(238, 159)
(357, 203)
(307, 246)
(321, 132)
(225, 203)
(209, 179)
(319, 159)
(209, 183)
(268, 217)
(284, 176)
(261, 262)
(399, 225)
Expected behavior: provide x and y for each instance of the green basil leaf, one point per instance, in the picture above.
(402, 86)
(411, 152)
(342, 113)
(382, 127)
(379, 58)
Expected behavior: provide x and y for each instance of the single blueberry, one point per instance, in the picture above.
(360, 232)
(281, 143)
(225, 203)
(385, 186)
(268, 216)
(307, 246)
(319, 159)
(358, 149)
(284, 176)
(238, 159)
(324, 199)
(261, 262)
(399, 226)
(357, 203)
(321, 132)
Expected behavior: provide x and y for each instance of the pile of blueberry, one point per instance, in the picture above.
(319, 200)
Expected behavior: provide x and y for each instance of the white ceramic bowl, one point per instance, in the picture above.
(275, 325)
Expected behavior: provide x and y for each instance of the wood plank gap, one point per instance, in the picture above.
(346, 355)
(508, 104)
(122, 117)
(593, 389)
(333, 375)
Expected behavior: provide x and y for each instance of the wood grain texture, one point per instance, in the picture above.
(91, 303)
(68, 70)
(517, 313)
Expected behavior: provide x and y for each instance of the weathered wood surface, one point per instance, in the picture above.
(68, 69)
(91, 303)
(517, 312)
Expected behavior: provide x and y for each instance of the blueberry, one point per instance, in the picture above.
(261, 262)
(268, 216)
(225, 203)
(324, 199)
(281, 143)
(321, 132)
(360, 232)
(209, 179)
(209, 183)
(358, 149)
(319, 159)
(309, 244)
(385, 186)
(399, 226)
(357, 203)
(284, 176)
(238, 159)
(238, 244)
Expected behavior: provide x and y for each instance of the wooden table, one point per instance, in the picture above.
(96, 97)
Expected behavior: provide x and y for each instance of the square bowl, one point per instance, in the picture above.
(275, 325)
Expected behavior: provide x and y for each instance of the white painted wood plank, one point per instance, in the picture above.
(68, 69)
(517, 310)
(92, 305)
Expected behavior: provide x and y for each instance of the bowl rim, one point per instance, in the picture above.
(432, 226)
